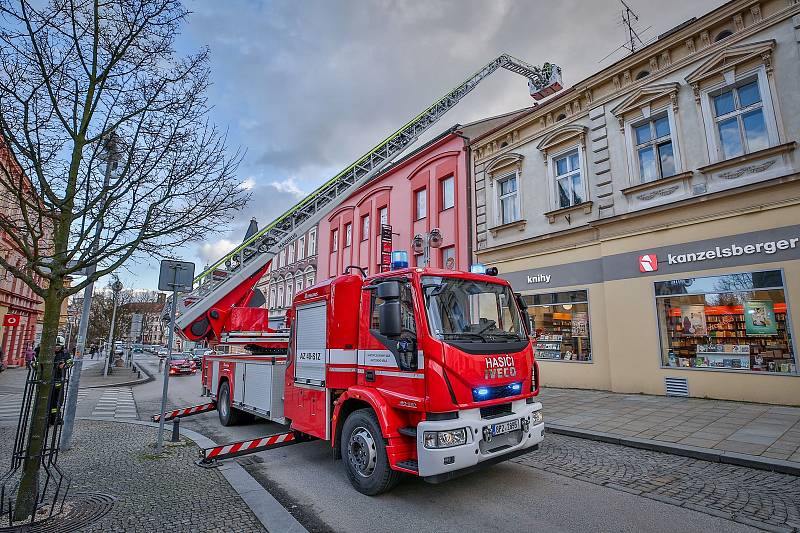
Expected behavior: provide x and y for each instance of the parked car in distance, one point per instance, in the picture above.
(162, 352)
(181, 363)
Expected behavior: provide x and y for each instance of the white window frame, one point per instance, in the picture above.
(451, 249)
(630, 135)
(348, 234)
(381, 212)
(497, 204)
(298, 283)
(451, 179)
(280, 293)
(301, 248)
(289, 293)
(417, 193)
(551, 174)
(290, 254)
(282, 258)
(731, 79)
(365, 229)
(335, 240)
(312, 242)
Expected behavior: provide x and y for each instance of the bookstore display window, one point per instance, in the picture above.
(560, 325)
(737, 322)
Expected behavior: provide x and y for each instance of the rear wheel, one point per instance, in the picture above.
(228, 416)
(364, 452)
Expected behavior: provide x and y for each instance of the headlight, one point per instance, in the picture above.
(536, 418)
(445, 439)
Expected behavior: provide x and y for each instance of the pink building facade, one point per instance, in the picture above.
(427, 189)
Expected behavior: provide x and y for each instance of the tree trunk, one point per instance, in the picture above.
(28, 488)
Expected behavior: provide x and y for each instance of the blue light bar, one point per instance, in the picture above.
(477, 268)
(399, 259)
(516, 386)
(482, 391)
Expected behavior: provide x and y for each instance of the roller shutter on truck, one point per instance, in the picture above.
(311, 334)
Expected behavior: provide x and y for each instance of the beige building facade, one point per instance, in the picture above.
(650, 215)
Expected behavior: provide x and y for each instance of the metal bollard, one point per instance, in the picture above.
(139, 374)
(176, 430)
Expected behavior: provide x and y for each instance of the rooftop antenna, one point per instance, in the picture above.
(629, 18)
(634, 40)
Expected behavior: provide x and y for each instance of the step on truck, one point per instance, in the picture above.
(420, 371)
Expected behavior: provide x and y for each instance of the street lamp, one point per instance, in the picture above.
(423, 242)
(116, 288)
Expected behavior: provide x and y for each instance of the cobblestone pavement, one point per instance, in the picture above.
(758, 498)
(769, 431)
(152, 495)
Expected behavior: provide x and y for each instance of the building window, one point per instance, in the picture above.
(281, 258)
(348, 234)
(722, 35)
(334, 240)
(569, 185)
(289, 291)
(560, 325)
(310, 278)
(312, 242)
(298, 283)
(272, 298)
(365, 227)
(448, 192)
(654, 152)
(420, 204)
(290, 254)
(508, 199)
(301, 248)
(383, 215)
(419, 260)
(732, 322)
(739, 119)
(280, 295)
(449, 258)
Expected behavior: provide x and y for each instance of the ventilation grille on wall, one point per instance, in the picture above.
(677, 386)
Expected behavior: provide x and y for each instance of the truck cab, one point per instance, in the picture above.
(424, 371)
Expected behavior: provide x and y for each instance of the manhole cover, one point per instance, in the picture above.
(80, 510)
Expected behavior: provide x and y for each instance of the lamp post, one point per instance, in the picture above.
(423, 242)
(116, 287)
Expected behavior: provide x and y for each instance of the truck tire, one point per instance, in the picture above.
(228, 416)
(364, 454)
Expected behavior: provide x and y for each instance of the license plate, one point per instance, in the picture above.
(505, 427)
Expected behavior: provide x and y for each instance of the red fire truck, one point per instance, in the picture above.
(417, 371)
(423, 371)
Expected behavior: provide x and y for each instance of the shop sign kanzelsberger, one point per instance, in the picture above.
(774, 245)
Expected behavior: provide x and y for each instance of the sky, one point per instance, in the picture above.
(305, 87)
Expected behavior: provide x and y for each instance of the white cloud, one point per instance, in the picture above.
(210, 252)
(289, 186)
(247, 184)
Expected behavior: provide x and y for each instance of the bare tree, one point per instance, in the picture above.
(108, 152)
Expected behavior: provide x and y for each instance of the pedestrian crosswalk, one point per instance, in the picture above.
(116, 403)
(112, 403)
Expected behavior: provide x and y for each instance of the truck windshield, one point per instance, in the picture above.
(471, 311)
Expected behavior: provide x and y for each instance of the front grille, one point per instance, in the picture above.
(495, 411)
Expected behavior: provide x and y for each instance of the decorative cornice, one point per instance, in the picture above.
(562, 134)
(683, 176)
(728, 58)
(644, 96)
(503, 161)
(519, 224)
(586, 207)
(766, 152)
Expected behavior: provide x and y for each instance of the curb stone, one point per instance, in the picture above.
(695, 452)
(272, 515)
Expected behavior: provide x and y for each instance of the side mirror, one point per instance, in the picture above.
(389, 315)
(523, 309)
(389, 290)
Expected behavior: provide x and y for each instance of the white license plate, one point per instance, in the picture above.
(505, 427)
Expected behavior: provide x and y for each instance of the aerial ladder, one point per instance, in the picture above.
(228, 284)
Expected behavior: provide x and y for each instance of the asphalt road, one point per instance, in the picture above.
(513, 496)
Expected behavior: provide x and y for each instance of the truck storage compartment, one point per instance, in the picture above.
(259, 388)
(311, 353)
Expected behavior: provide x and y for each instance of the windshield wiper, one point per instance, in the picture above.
(464, 334)
(505, 335)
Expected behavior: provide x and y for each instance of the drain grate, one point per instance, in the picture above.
(80, 510)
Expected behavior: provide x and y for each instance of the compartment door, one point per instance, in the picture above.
(311, 335)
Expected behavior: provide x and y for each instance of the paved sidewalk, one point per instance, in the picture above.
(113, 464)
(766, 434)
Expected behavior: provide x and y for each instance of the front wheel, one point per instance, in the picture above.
(364, 452)
(228, 416)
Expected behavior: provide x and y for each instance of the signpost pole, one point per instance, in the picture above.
(181, 279)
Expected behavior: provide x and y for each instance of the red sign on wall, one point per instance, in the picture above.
(386, 247)
(11, 320)
(648, 263)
